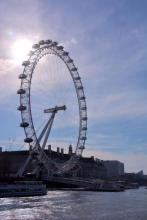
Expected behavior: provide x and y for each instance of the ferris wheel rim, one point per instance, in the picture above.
(50, 47)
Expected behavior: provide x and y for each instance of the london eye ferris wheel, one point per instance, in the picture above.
(48, 57)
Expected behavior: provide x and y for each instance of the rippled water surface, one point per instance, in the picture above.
(71, 205)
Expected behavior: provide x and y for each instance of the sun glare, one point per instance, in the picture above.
(20, 49)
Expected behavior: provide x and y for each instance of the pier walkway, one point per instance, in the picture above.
(77, 182)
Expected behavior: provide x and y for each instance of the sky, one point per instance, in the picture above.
(107, 40)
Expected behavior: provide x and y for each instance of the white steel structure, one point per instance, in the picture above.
(39, 50)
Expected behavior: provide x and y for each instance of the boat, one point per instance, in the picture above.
(22, 189)
(132, 186)
(106, 187)
(110, 187)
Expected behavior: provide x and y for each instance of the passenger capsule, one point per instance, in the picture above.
(22, 76)
(74, 69)
(21, 91)
(26, 63)
(60, 48)
(84, 129)
(24, 124)
(84, 118)
(70, 61)
(65, 53)
(28, 140)
(48, 41)
(80, 87)
(77, 78)
(82, 98)
(83, 138)
(35, 46)
(54, 43)
(41, 42)
(84, 108)
(21, 108)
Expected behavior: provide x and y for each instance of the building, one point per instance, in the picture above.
(90, 168)
(11, 162)
(114, 168)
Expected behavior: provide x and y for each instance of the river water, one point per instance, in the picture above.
(77, 205)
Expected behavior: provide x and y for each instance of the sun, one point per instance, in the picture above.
(20, 50)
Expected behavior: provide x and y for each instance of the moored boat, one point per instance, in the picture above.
(106, 187)
(23, 188)
(110, 187)
(132, 186)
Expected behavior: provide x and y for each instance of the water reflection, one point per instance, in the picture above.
(58, 205)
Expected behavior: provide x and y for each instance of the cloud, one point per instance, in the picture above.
(124, 104)
(8, 79)
(70, 43)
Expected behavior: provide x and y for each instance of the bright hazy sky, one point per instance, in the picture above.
(108, 42)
